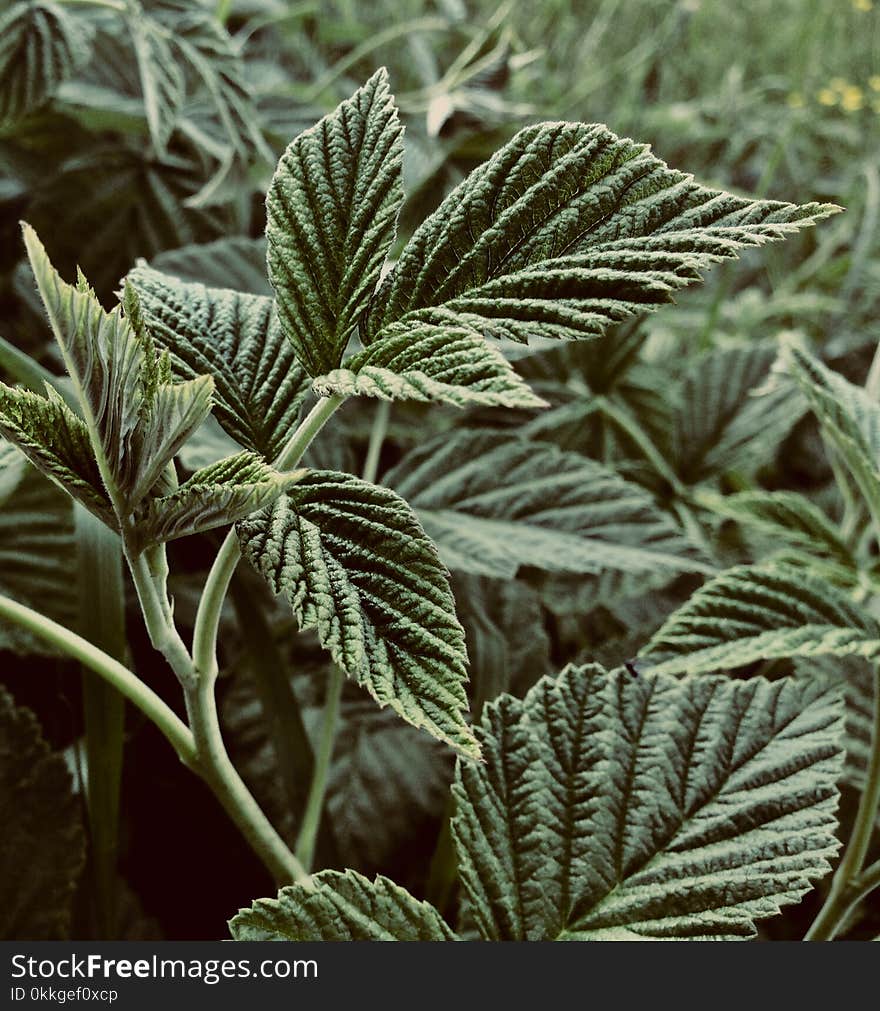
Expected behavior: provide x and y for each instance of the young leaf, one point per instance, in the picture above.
(342, 907)
(40, 46)
(214, 496)
(647, 807)
(56, 441)
(137, 418)
(761, 612)
(235, 337)
(566, 230)
(493, 502)
(356, 566)
(331, 214)
(450, 364)
(161, 78)
(42, 846)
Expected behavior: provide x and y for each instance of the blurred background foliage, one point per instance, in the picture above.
(151, 130)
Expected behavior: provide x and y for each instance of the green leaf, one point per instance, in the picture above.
(235, 337)
(726, 421)
(217, 495)
(40, 46)
(356, 566)
(494, 502)
(450, 364)
(137, 417)
(236, 262)
(331, 214)
(37, 550)
(56, 441)
(785, 519)
(162, 81)
(566, 230)
(849, 416)
(761, 612)
(342, 907)
(647, 807)
(42, 846)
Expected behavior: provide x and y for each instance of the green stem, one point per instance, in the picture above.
(163, 633)
(115, 673)
(308, 833)
(217, 584)
(847, 876)
(377, 438)
(229, 788)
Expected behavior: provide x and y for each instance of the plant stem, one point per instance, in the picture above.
(115, 673)
(163, 633)
(217, 583)
(308, 833)
(377, 438)
(847, 876)
(872, 383)
(229, 788)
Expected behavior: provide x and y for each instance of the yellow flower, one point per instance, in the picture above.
(863, 5)
(827, 97)
(839, 83)
(852, 99)
(874, 82)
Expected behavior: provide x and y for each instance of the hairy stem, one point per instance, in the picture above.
(217, 583)
(156, 611)
(847, 876)
(223, 778)
(112, 671)
(308, 833)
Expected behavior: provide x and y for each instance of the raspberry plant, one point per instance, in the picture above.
(664, 798)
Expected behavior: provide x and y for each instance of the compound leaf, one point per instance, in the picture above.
(357, 567)
(341, 907)
(161, 78)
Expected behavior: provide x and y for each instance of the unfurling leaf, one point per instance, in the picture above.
(40, 45)
(761, 612)
(331, 214)
(214, 496)
(357, 567)
(136, 418)
(341, 907)
(566, 230)
(647, 807)
(493, 502)
(450, 364)
(42, 845)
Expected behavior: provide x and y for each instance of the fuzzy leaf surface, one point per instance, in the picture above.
(342, 907)
(331, 214)
(648, 807)
(566, 230)
(425, 362)
(356, 566)
(236, 338)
